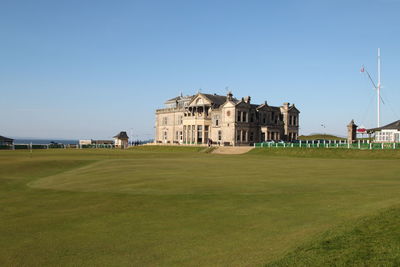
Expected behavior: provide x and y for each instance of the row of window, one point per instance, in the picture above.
(262, 117)
(387, 137)
(244, 136)
(293, 120)
(188, 135)
(179, 120)
(292, 136)
(243, 116)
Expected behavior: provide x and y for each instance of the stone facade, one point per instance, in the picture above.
(351, 132)
(224, 120)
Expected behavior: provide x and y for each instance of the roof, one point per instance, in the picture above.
(3, 138)
(391, 126)
(216, 99)
(175, 99)
(268, 107)
(292, 107)
(122, 135)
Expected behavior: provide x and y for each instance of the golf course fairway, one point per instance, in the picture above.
(172, 206)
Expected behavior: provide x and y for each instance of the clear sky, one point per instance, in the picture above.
(89, 69)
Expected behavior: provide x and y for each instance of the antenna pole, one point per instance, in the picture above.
(379, 87)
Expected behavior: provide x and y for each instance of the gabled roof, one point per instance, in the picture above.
(3, 138)
(122, 135)
(262, 105)
(292, 107)
(242, 102)
(391, 126)
(216, 99)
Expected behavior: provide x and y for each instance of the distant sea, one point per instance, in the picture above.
(44, 141)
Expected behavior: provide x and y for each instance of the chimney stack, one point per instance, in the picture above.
(229, 96)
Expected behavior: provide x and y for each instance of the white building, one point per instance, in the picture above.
(388, 133)
(121, 140)
(85, 142)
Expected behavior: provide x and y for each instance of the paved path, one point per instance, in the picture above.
(232, 150)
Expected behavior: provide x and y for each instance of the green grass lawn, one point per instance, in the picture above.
(153, 206)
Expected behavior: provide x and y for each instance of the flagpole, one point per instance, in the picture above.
(379, 87)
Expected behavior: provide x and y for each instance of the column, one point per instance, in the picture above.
(195, 133)
(188, 136)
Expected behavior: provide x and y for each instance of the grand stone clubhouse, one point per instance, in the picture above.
(224, 120)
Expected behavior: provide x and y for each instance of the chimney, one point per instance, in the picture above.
(229, 96)
(247, 99)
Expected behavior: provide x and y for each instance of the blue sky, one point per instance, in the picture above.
(88, 69)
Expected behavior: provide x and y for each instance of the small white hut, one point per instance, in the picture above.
(121, 140)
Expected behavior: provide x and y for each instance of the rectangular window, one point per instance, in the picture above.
(206, 133)
(165, 121)
(199, 133)
(216, 120)
(244, 136)
(251, 136)
(244, 116)
(252, 117)
(238, 135)
(219, 135)
(239, 116)
(176, 135)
